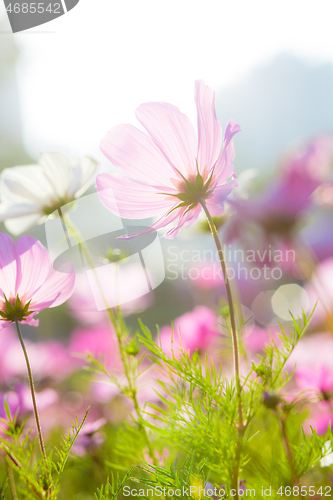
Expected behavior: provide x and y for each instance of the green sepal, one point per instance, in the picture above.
(28, 313)
(199, 182)
(26, 307)
(9, 307)
(18, 303)
(191, 188)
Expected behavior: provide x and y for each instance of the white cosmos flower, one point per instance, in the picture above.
(30, 193)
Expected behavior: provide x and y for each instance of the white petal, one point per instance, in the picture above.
(57, 170)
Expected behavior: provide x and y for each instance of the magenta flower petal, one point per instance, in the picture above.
(224, 167)
(172, 132)
(28, 281)
(10, 266)
(56, 289)
(35, 264)
(173, 175)
(209, 129)
(136, 155)
(215, 202)
(133, 199)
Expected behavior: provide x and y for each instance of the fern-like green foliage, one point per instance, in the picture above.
(67, 444)
(111, 490)
(199, 413)
(33, 478)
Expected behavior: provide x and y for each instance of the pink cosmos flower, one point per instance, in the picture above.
(169, 171)
(320, 289)
(19, 401)
(28, 283)
(270, 217)
(98, 341)
(89, 437)
(50, 359)
(197, 330)
(83, 305)
(319, 379)
(256, 339)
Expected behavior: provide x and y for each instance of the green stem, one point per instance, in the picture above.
(234, 337)
(117, 324)
(290, 457)
(12, 483)
(34, 402)
(229, 295)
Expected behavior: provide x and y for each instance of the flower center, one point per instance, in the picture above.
(193, 191)
(13, 309)
(56, 204)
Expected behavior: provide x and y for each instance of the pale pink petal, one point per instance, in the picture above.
(224, 166)
(172, 132)
(184, 221)
(209, 129)
(135, 154)
(130, 199)
(35, 265)
(30, 320)
(4, 324)
(215, 202)
(162, 222)
(10, 266)
(57, 288)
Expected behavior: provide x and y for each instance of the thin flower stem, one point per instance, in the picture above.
(241, 428)
(12, 483)
(290, 457)
(116, 321)
(34, 402)
(230, 301)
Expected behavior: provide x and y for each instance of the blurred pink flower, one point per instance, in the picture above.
(19, 401)
(302, 173)
(269, 217)
(320, 289)
(312, 350)
(168, 171)
(50, 359)
(89, 437)
(256, 339)
(82, 303)
(319, 379)
(321, 419)
(100, 342)
(28, 283)
(196, 328)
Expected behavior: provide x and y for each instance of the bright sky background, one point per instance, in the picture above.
(88, 70)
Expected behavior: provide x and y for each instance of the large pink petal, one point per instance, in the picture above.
(10, 266)
(162, 222)
(130, 199)
(215, 203)
(35, 265)
(172, 132)
(184, 221)
(57, 288)
(224, 166)
(135, 154)
(209, 129)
